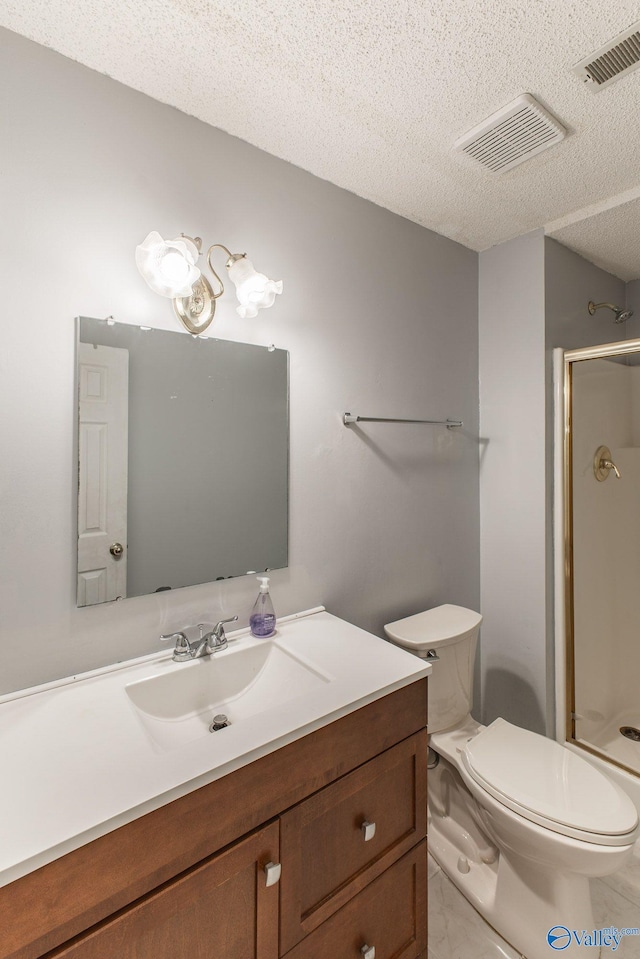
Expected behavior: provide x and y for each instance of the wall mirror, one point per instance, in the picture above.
(602, 550)
(182, 460)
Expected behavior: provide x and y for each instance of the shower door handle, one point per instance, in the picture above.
(610, 465)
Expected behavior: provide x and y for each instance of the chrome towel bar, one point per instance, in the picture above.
(349, 418)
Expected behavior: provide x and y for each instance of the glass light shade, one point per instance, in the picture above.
(254, 290)
(168, 266)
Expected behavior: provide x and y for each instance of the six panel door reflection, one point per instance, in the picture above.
(103, 386)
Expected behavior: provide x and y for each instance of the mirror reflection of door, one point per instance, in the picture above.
(102, 482)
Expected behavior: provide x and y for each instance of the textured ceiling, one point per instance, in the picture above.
(372, 94)
(610, 239)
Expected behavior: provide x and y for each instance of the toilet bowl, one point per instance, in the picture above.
(516, 820)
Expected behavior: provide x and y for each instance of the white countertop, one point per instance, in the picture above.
(77, 761)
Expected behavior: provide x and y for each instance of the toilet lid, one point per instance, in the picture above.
(538, 777)
(439, 626)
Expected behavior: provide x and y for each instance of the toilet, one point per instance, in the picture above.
(516, 820)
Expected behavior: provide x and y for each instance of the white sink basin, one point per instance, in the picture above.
(243, 683)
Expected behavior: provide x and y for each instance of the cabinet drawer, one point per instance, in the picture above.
(222, 908)
(390, 915)
(328, 859)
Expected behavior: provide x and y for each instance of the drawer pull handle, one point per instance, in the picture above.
(368, 952)
(272, 871)
(368, 831)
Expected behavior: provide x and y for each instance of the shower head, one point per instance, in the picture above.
(621, 315)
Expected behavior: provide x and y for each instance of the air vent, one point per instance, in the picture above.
(617, 58)
(511, 135)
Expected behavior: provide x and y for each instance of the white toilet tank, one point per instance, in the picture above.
(451, 632)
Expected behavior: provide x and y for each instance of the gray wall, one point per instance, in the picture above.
(512, 496)
(570, 282)
(379, 316)
(633, 303)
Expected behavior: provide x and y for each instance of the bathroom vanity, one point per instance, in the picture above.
(311, 844)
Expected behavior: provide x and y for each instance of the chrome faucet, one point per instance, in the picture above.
(206, 645)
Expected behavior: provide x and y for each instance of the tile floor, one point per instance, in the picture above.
(456, 930)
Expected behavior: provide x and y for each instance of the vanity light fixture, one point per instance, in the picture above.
(169, 268)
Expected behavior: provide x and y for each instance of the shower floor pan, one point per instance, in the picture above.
(608, 740)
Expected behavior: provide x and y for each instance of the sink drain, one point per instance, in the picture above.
(631, 733)
(221, 722)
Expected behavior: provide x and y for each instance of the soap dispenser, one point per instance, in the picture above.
(263, 618)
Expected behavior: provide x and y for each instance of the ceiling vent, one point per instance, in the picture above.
(612, 61)
(511, 135)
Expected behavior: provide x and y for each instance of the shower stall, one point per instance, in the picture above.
(601, 552)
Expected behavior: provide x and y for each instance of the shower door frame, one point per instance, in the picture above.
(619, 348)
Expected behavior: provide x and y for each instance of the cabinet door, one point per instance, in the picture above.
(220, 909)
(387, 919)
(330, 855)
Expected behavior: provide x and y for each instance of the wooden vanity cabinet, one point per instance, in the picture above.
(222, 908)
(187, 880)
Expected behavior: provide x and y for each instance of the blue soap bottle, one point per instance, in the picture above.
(263, 618)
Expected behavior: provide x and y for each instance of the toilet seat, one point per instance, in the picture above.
(548, 784)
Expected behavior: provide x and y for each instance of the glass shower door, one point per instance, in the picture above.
(603, 551)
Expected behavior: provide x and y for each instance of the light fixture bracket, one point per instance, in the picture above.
(196, 312)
